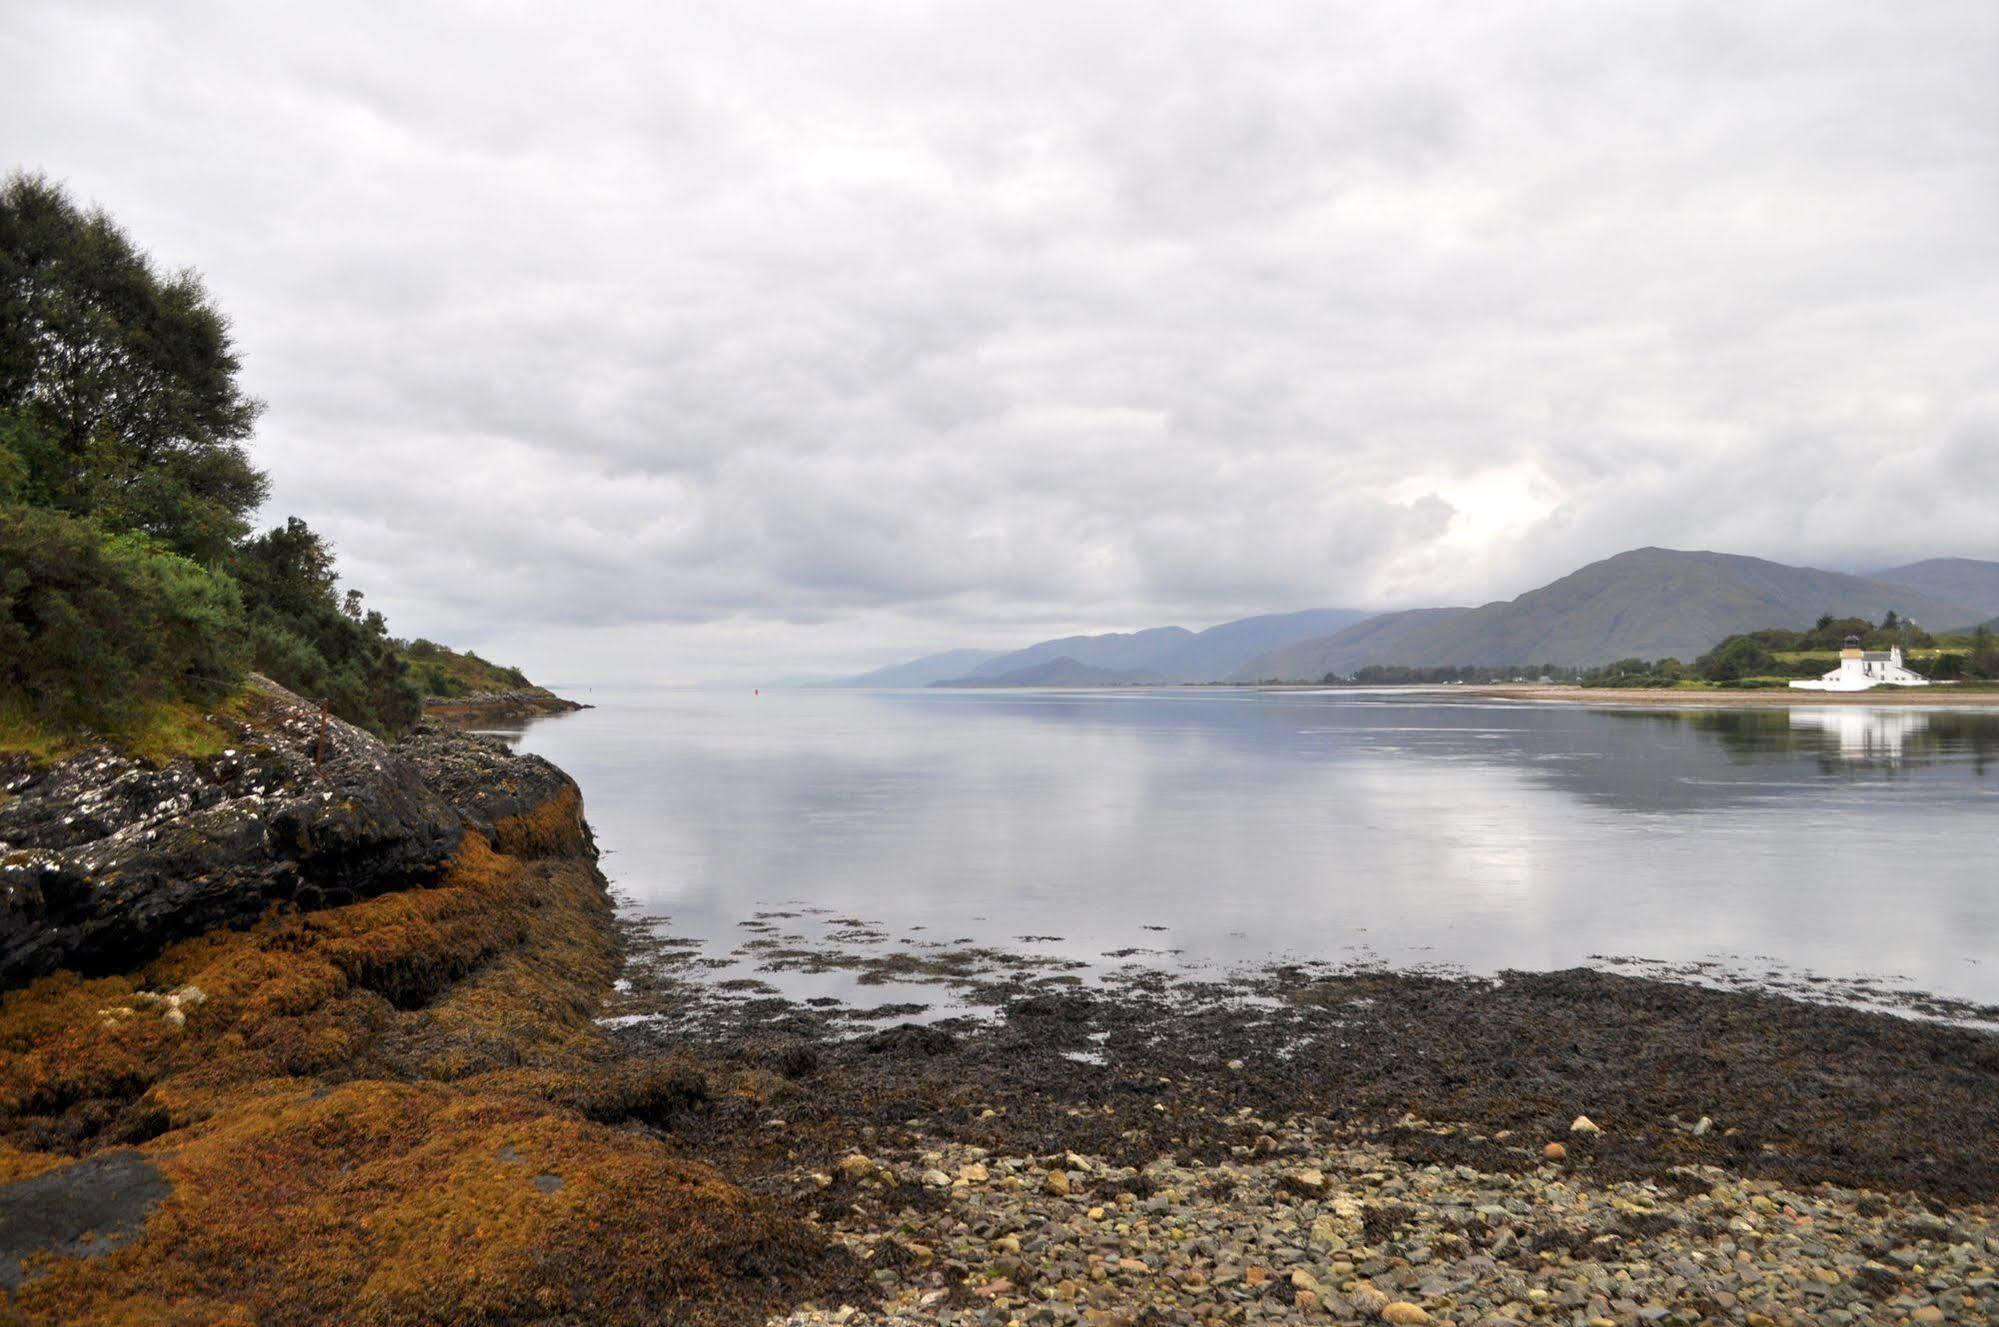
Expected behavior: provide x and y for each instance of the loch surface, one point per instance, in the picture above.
(1204, 829)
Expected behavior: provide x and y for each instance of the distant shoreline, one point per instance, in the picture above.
(1934, 697)
(498, 706)
(1928, 696)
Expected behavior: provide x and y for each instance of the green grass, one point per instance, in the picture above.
(155, 731)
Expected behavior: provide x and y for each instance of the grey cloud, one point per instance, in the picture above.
(668, 339)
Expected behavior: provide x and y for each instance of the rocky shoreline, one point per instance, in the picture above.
(1308, 1221)
(1316, 1146)
(343, 1066)
(483, 707)
(339, 1031)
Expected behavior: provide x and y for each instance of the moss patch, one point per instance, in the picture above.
(155, 731)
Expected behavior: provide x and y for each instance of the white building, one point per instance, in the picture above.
(1861, 669)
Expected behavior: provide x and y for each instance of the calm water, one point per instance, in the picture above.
(1223, 827)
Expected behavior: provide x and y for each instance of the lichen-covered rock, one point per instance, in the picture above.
(104, 859)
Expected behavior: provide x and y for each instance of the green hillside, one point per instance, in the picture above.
(440, 671)
(1375, 640)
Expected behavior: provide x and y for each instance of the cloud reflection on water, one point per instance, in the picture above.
(1332, 827)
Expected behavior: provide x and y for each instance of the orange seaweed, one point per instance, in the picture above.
(395, 1111)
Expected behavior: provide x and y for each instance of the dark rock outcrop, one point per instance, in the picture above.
(105, 859)
(498, 706)
(485, 781)
(83, 1210)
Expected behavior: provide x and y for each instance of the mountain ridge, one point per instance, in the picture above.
(1968, 581)
(1647, 603)
(1061, 671)
(1167, 654)
(1370, 640)
(920, 672)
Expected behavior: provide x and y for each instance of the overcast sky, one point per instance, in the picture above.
(679, 341)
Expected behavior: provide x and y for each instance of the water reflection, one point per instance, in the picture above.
(1866, 737)
(1321, 825)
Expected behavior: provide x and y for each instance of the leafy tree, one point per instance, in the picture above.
(1983, 661)
(1636, 673)
(119, 381)
(1734, 659)
(127, 569)
(13, 455)
(307, 636)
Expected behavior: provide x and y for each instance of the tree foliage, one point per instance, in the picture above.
(127, 568)
(440, 671)
(304, 633)
(1469, 674)
(92, 624)
(1734, 659)
(120, 380)
(1633, 673)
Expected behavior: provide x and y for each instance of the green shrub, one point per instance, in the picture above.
(196, 627)
(1734, 659)
(91, 626)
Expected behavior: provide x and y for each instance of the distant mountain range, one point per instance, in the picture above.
(920, 672)
(1165, 654)
(1161, 654)
(1377, 639)
(1964, 581)
(1649, 603)
(1059, 672)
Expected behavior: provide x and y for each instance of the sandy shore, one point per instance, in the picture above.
(1950, 697)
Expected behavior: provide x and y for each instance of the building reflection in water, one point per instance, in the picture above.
(1864, 735)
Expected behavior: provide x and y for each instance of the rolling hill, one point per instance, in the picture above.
(1115, 650)
(919, 672)
(1216, 654)
(1371, 640)
(1648, 603)
(1164, 654)
(1966, 581)
(1058, 672)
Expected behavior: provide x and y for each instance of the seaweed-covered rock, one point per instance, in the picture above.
(104, 859)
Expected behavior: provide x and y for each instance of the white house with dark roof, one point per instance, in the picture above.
(1861, 669)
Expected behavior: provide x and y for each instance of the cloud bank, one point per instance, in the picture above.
(736, 339)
